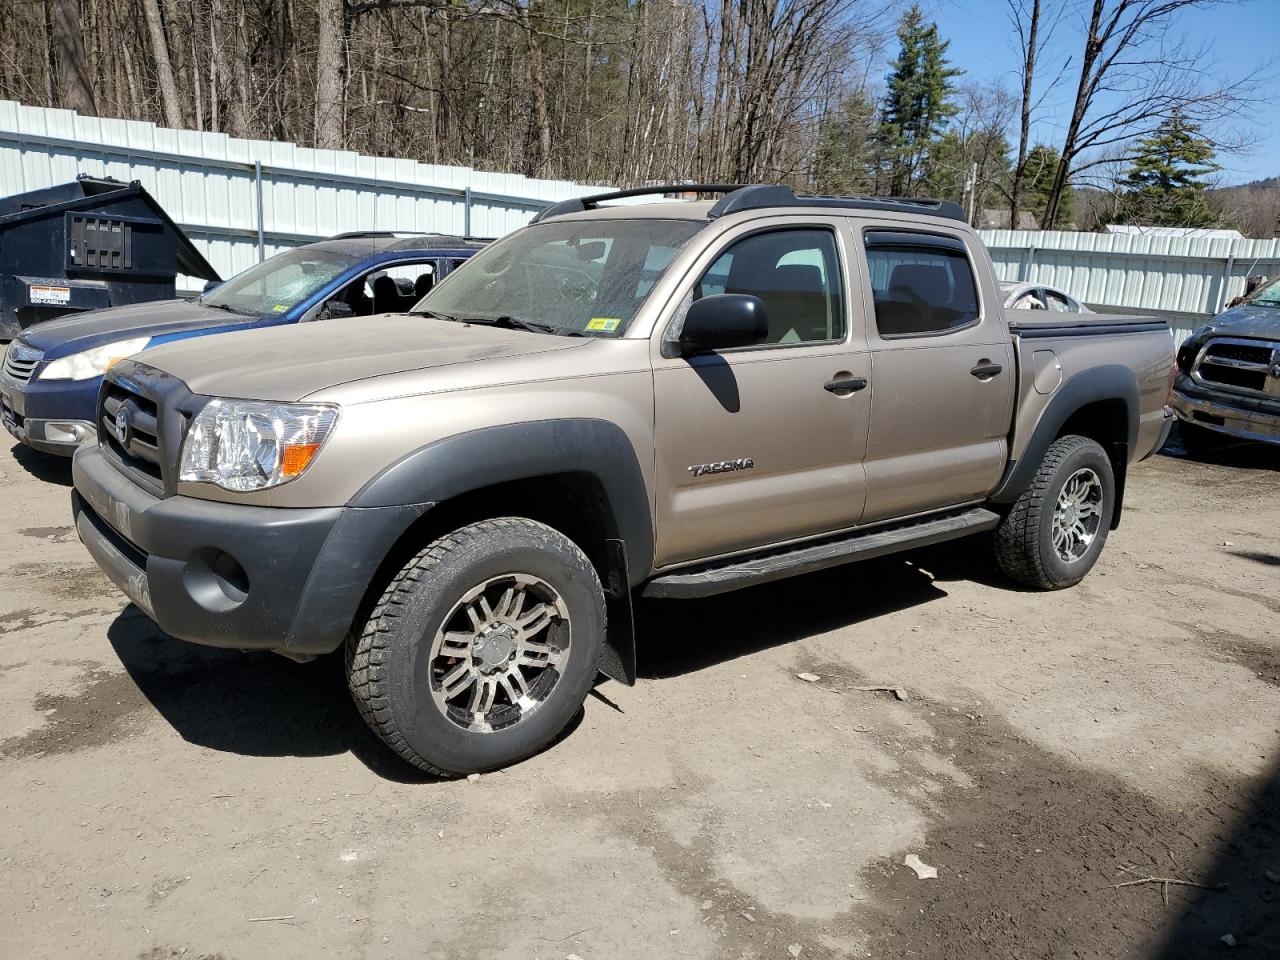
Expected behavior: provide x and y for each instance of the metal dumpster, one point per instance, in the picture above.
(85, 245)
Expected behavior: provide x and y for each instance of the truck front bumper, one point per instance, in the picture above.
(232, 575)
(1243, 417)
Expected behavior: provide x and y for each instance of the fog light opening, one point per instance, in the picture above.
(230, 577)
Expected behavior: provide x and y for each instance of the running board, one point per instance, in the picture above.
(757, 568)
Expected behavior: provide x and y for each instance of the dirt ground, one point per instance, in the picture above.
(160, 800)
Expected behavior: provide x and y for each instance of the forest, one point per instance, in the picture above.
(853, 96)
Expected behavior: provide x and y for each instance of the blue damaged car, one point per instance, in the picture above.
(51, 373)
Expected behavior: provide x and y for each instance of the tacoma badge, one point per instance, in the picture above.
(723, 466)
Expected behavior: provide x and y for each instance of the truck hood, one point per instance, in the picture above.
(83, 331)
(293, 362)
(1248, 321)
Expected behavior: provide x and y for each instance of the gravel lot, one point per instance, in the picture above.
(160, 800)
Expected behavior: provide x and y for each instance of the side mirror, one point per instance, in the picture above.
(722, 321)
(211, 286)
(337, 309)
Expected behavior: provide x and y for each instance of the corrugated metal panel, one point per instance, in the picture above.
(207, 183)
(1185, 278)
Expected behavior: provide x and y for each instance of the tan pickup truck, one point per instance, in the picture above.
(664, 400)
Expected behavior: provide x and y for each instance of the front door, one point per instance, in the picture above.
(943, 372)
(759, 445)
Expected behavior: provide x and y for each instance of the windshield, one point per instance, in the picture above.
(585, 277)
(1268, 296)
(278, 284)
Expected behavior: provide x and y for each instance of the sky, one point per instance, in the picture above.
(1241, 35)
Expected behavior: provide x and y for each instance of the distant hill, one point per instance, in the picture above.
(1252, 208)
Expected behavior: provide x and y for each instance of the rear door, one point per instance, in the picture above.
(943, 374)
(762, 444)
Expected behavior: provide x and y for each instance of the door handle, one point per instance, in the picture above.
(845, 384)
(985, 369)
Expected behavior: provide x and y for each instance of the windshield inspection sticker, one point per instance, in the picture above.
(603, 324)
(280, 308)
(42, 293)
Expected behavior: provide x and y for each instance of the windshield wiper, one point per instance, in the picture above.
(436, 314)
(518, 323)
(227, 307)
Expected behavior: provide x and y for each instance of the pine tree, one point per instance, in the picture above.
(848, 157)
(1163, 186)
(918, 103)
(1041, 171)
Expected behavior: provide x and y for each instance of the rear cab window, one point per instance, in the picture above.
(922, 284)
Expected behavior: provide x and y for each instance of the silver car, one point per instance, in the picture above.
(1039, 296)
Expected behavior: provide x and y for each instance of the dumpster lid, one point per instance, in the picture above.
(87, 193)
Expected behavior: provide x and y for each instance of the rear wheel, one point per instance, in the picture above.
(1055, 532)
(482, 648)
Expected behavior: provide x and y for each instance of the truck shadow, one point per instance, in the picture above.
(675, 637)
(261, 704)
(1227, 452)
(252, 703)
(43, 466)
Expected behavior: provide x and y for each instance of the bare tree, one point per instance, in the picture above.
(72, 85)
(1034, 34)
(165, 79)
(328, 122)
(1132, 76)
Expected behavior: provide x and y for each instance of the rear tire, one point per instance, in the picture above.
(1056, 530)
(482, 648)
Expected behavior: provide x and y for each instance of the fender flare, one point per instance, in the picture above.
(481, 458)
(1112, 382)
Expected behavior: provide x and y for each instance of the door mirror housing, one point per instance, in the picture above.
(723, 321)
(337, 309)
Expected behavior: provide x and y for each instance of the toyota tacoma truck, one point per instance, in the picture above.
(670, 399)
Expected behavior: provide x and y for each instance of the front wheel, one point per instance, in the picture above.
(1055, 532)
(481, 649)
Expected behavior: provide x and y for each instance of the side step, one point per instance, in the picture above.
(757, 568)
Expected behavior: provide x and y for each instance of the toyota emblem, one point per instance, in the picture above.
(122, 426)
(1274, 369)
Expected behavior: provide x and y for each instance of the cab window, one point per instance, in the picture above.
(922, 284)
(794, 272)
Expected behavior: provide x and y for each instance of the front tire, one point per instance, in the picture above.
(482, 648)
(1056, 530)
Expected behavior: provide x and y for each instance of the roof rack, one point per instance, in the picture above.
(738, 197)
(579, 204)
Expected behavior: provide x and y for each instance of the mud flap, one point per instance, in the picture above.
(618, 656)
(1120, 465)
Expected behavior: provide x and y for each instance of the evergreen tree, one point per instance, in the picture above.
(848, 157)
(1041, 172)
(918, 103)
(952, 160)
(1163, 186)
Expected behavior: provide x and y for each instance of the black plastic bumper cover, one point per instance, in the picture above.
(232, 575)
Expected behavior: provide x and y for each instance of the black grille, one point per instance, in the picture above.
(1249, 353)
(136, 441)
(1236, 364)
(1234, 377)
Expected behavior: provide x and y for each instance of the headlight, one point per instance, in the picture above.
(252, 445)
(92, 363)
